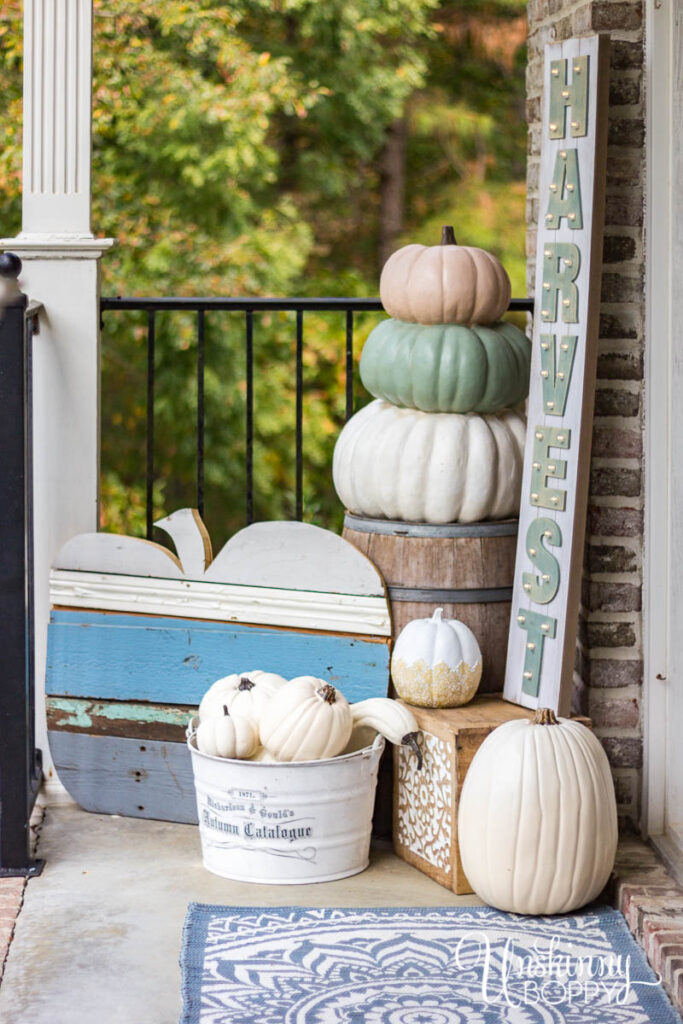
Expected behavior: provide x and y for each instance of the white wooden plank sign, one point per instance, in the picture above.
(541, 649)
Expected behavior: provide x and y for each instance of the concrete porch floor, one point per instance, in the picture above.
(98, 936)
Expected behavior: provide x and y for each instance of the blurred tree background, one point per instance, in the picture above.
(274, 147)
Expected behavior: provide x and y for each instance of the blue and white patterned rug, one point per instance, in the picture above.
(469, 965)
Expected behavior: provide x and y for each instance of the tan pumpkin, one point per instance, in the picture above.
(444, 284)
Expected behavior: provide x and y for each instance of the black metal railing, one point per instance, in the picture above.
(347, 307)
(20, 761)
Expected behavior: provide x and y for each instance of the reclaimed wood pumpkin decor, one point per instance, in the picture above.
(138, 635)
(547, 840)
(436, 662)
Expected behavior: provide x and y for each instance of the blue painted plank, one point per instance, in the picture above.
(138, 778)
(174, 661)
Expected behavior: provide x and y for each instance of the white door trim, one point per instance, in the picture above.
(659, 68)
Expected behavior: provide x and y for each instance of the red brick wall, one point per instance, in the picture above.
(609, 657)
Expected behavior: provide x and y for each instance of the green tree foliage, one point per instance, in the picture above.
(236, 152)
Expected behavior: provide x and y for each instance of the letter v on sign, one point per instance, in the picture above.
(556, 372)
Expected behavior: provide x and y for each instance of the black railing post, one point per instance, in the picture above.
(18, 757)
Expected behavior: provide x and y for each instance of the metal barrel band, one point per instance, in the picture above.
(395, 528)
(444, 595)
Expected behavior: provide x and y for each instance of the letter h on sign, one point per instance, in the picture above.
(563, 95)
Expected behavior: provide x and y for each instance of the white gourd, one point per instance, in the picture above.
(415, 466)
(245, 693)
(227, 736)
(393, 720)
(306, 720)
(436, 662)
(537, 823)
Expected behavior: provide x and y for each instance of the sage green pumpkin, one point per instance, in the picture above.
(447, 367)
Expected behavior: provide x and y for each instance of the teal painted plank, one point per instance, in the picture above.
(174, 661)
(137, 778)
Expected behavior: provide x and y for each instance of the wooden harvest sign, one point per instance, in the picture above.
(555, 481)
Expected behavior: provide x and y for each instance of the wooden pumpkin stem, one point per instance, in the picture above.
(438, 615)
(448, 235)
(327, 693)
(225, 710)
(246, 684)
(545, 716)
(410, 740)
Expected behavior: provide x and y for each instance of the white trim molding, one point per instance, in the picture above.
(221, 602)
(57, 115)
(657, 555)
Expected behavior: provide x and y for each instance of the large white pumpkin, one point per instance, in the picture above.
(537, 823)
(415, 466)
(436, 662)
(306, 720)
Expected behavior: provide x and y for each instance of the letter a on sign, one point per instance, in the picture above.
(547, 587)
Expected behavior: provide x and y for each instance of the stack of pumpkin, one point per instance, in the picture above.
(443, 441)
(261, 716)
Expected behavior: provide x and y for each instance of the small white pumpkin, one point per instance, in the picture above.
(306, 720)
(416, 466)
(444, 284)
(245, 693)
(227, 736)
(436, 662)
(537, 823)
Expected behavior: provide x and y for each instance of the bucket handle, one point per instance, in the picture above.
(191, 730)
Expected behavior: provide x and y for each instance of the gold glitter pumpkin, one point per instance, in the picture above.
(436, 662)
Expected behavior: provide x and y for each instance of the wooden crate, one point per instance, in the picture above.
(426, 802)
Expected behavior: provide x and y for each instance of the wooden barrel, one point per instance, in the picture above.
(466, 569)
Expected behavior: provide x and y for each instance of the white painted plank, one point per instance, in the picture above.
(291, 554)
(221, 602)
(113, 553)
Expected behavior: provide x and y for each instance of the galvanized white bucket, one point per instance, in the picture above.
(291, 823)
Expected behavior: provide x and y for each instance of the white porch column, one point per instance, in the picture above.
(62, 270)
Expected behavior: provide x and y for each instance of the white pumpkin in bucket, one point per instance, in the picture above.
(436, 662)
(306, 720)
(227, 736)
(245, 693)
(537, 821)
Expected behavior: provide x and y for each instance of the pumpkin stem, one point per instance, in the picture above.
(438, 615)
(410, 740)
(246, 684)
(225, 710)
(448, 235)
(545, 716)
(327, 693)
